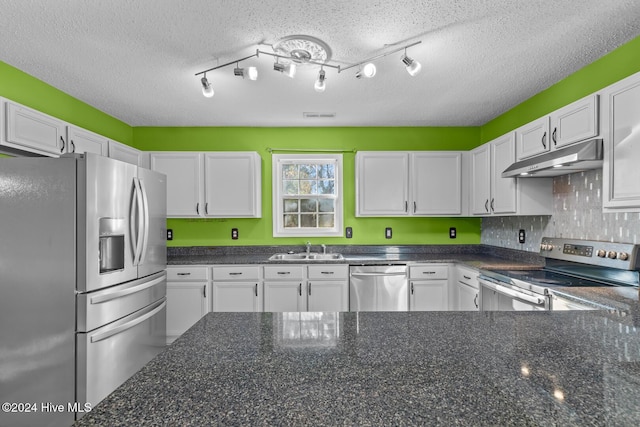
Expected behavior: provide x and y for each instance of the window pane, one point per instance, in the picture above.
(289, 171)
(290, 187)
(326, 205)
(308, 205)
(308, 187)
(326, 171)
(308, 220)
(326, 220)
(291, 205)
(325, 187)
(307, 171)
(291, 221)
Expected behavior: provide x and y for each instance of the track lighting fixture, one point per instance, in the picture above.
(368, 71)
(207, 90)
(306, 50)
(320, 85)
(413, 66)
(250, 72)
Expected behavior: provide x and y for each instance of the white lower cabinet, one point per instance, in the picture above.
(466, 289)
(237, 288)
(429, 287)
(188, 296)
(283, 288)
(328, 288)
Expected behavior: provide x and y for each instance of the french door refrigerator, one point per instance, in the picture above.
(82, 282)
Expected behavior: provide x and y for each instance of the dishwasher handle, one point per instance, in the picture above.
(512, 293)
(377, 274)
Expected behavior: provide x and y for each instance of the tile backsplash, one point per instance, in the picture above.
(577, 214)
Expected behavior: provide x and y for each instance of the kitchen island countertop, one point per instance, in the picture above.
(401, 368)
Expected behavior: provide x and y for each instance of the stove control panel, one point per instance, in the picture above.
(607, 254)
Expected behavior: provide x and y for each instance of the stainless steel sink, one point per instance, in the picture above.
(306, 257)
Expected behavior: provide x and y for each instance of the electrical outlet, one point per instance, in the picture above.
(169, 234)
(521, 236)
(349, 232)
(452, 232)
(387, 232)
(234, 233)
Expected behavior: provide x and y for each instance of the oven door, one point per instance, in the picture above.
(497, 296)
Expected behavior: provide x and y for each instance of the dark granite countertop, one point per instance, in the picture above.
(403, 368)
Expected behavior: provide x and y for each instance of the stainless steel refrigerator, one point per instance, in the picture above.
(82, 282)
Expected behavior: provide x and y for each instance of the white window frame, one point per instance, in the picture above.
(277, 161)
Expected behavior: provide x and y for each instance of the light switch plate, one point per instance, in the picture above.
(169, 234)
(348, 232)
(387, 232)
(521, 236)
(452, 232)
(234, 233)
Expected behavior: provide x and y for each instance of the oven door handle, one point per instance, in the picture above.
(514, 294)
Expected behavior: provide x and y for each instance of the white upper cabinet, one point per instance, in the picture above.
(184, 182)
(397, 183)
(127, 154)
(32, 131)
(233, 184)
(83, 141)
(621, 130)
(573, 123)
(493, 195)
(221, 185)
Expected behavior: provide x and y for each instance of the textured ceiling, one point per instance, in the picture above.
(136, 60)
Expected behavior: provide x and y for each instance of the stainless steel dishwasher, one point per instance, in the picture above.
(378, 288)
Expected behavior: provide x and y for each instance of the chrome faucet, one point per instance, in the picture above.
(308, 248)
(324, 248)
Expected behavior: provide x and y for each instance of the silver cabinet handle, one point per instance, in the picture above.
(309, 288)
(121, 328)
(300, 289)
(284, 272)
(233, 273)
(204, 290)
(411, 288)
(184, 274)
(206, 208)
(428, 272)
(475, 301)
(326, 272)
(466, 277)
(256, 289)
(544, 140)
(554, 136)
(73, 146)
(415, 207)
(492, 208)
(63, 144)
(486, 205)
(406, 206)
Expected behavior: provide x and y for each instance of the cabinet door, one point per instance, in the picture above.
(187, 302)
(533, 138)
(436, 181)
(233, 185)
(621, 103)
(284, 296)
(429, 295)
(82, 141)
(237, 296)
(481, 180)
(382, 183)
(328, 295)
(125, 153)
(575, 122)
(467, 297)
(34, 131)
(184, 175)
(503, 190)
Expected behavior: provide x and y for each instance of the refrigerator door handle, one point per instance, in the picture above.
(137, 226)
(130, 324)
(137, 286)
(145, 221)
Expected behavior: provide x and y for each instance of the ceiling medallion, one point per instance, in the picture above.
(303, 49)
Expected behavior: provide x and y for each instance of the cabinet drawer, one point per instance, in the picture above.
(187, 273)
(284, 272)
(236, 272)
(329, 272)
(428, 272)
(467, 275)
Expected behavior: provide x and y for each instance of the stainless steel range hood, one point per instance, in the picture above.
(575, 158)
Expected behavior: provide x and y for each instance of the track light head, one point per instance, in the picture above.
(413, 66)
(288, 70)
(207, 90)
(320, 85)
(368, 71)
(250, 72)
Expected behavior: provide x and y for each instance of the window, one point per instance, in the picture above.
(307, 195)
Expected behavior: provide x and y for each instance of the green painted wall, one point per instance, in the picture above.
(201, 232)
(612, 67)
(27, 90)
